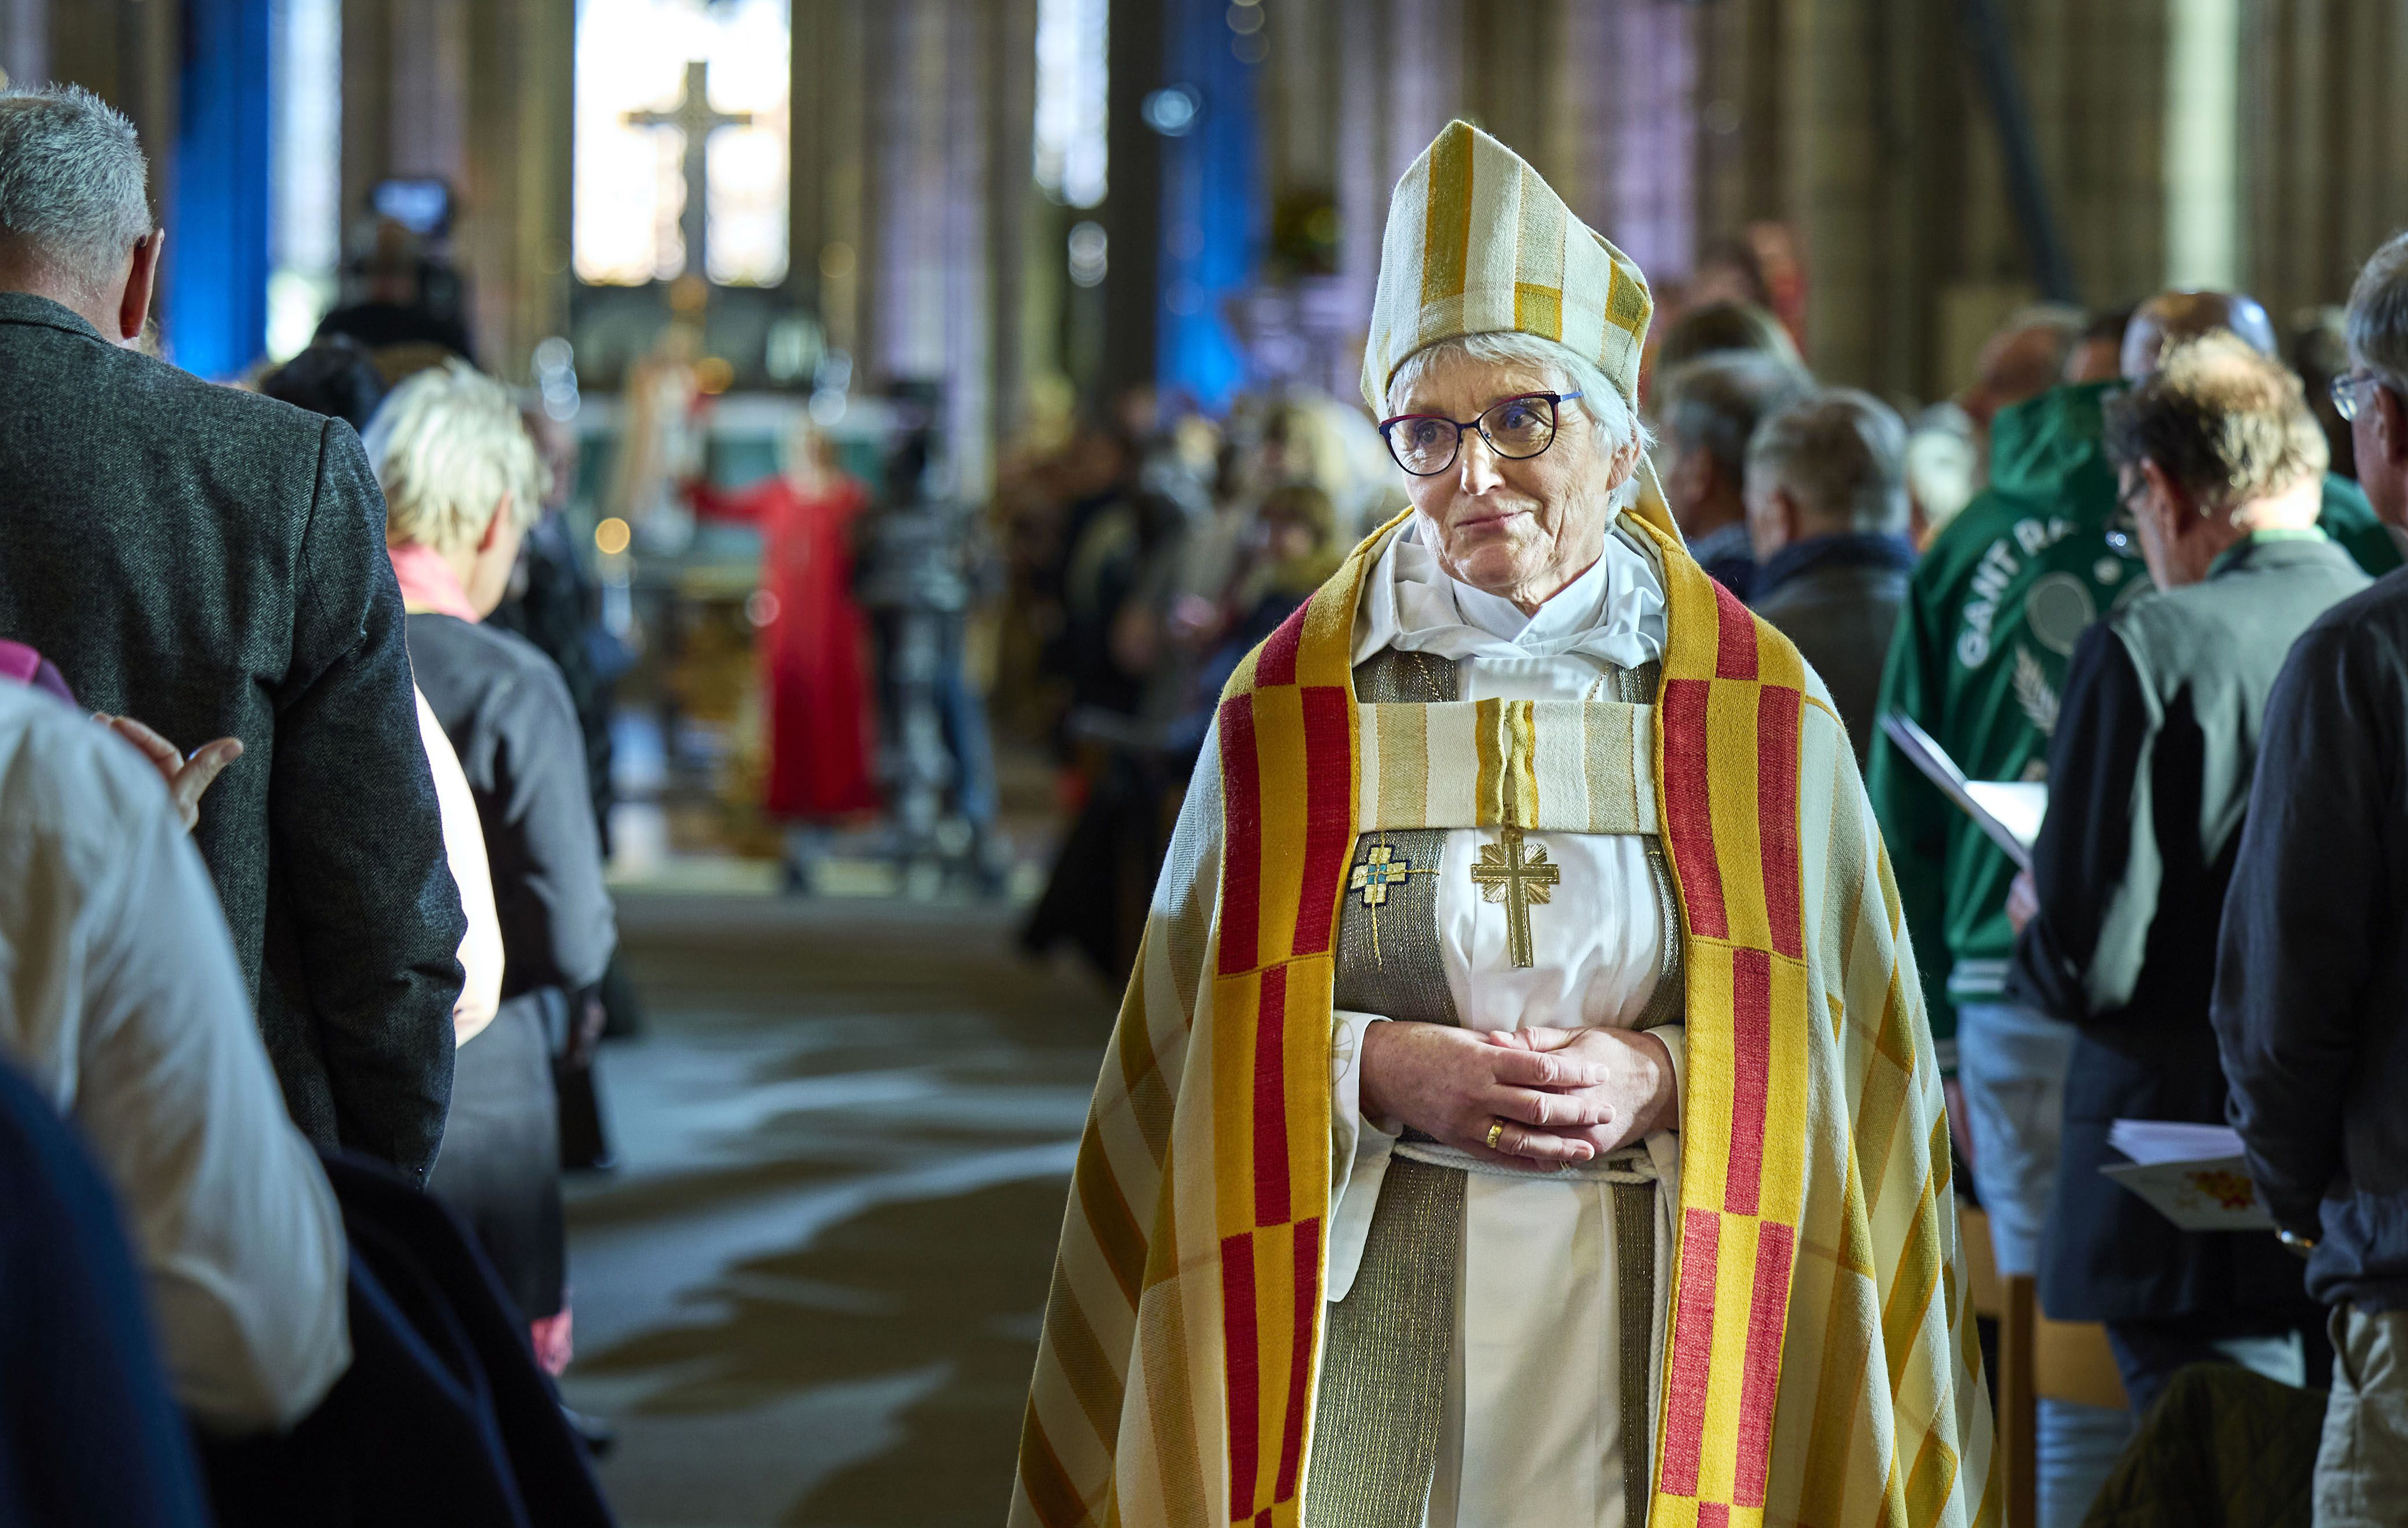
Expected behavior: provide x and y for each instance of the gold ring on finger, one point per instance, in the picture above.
(1496, 1132)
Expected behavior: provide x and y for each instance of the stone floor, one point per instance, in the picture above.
(810, 1293)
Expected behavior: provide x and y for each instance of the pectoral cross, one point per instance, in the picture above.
(693, 120)
(1381, 870)
(1505, 876)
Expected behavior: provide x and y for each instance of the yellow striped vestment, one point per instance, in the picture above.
(1820, 1361)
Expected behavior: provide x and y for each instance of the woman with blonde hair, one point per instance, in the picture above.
(463, 482)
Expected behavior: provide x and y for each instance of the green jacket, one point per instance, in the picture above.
(1979, 659)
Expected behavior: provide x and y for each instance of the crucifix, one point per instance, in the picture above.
(1505, 876)
(1382, 868)
(694, 120)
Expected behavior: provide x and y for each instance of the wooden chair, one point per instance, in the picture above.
(2063, 1361)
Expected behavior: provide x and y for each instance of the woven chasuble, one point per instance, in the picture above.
(1819, 1363)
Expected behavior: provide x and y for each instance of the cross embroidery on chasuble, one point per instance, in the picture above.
(1505, 876)
(1382, 868)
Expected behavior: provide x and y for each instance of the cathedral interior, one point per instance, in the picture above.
(963, 248)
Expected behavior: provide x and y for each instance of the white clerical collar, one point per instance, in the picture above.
(1574, 608)
(1613, 613)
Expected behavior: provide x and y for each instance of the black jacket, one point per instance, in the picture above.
(1837, 598)
(212, 563)
(1727, 557)
(442, 1418)
(506, 710)
(2311, 986)
(2149, 774)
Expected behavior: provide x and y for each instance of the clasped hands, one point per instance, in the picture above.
(1564, 1095)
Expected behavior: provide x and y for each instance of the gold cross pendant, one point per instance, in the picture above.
(1505, 876)
(1382, 868)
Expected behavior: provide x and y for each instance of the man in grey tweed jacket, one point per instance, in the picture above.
(212, 563)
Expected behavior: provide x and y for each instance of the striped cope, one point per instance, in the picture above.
(1820, 1366)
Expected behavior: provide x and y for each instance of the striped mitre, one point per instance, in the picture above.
(1477, 242)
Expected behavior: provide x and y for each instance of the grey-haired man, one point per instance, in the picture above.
(1827, 510)
(213, 562)
(2311, 1007)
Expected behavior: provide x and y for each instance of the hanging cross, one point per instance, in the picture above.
(1381, 870)
(693, 120)
(1504, 876)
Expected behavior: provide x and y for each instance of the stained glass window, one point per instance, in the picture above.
(1072, 83)
(305, 142)
(634, 61)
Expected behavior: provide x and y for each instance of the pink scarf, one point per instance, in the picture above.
(428, 585)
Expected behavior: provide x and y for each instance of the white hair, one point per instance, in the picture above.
(1841, 454)
(447, 445)
(1615, 419)
(73, 182)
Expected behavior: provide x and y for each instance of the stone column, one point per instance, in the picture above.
(406, 81)
(1628, 94)
(1515, 59)
(2102, 65)
(1011, 206)
(514, 230)
(1741, 93)
(2326, 145)
(125, 51)
(480, 96)
(26, 40)
(1400, 77)
(1131, 213)
(1861, 125)
(1301, 115)
(940, 162)
(1359, 148)
(1874, 90)
(1426, 83)
(830, 199)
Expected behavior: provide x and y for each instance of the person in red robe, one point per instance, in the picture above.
(813, 640)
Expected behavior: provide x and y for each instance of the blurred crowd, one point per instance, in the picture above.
(1147, 555)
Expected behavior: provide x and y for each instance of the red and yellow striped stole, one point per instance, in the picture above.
(1727, 762)
(1287, 723)
(1726, 779)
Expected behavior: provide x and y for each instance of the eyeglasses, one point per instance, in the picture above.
(2124, 521)
(1516, 429)
(2345, 390)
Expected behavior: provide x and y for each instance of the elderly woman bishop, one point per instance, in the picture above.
(1523, 1111)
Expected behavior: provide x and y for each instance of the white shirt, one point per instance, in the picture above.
(120, 996)
(463, 847)
(1531, 1426)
